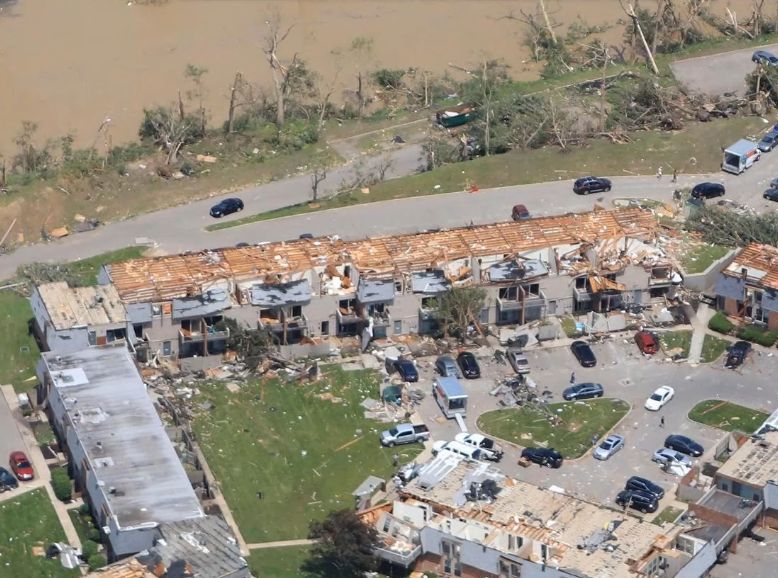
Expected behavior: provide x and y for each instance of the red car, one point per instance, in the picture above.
(21, 466)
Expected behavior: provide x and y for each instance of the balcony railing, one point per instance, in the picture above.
(351, 317)
(277, 325)
(530, 301)
(405, 558)
(211, 334)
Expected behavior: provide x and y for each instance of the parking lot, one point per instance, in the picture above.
(627, 375)
(10, 439)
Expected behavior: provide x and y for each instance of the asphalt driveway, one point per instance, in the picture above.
(717, 74)
(10, 439)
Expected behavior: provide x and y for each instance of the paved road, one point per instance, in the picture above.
(182, 228)
(10, 439)
(627, 375)
(717, 74)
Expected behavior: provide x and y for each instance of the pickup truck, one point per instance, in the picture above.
(404, 433)
(489, 450)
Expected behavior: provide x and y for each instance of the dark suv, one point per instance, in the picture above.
(646, 486)
(543, 456)
(685, 445)
(708, 191)
(587, 185)
(641, 501)
(583, 391)
(737, 354)
(226, 207)
(7, 481)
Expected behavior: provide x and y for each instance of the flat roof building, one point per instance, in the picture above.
(120, 453)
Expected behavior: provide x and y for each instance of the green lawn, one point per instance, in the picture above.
(712, 348)
(676, 339)
(18, 350)
(727, 416)
(568, 326)
(303, 453)
(572, 437)
(641, 156)
(278, 562)
(27, 521)
(669, 514)
(700, 257)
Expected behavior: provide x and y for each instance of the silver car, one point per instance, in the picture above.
(446, 366)
(609, 446)
(518, 361)
(668, 457)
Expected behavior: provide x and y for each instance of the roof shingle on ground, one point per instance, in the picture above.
(176, 276)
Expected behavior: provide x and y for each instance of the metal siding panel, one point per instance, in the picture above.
(732, 287)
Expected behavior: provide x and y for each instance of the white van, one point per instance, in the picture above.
(458, 448)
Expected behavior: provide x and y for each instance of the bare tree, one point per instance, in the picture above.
(362, 49)
(385, 162)
(319, 174)
(197, 93)
(629, 10)
(168, 130)
(273, 39)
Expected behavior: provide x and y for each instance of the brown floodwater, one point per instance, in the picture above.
(70, 64)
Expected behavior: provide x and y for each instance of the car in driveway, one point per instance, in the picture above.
(583, 353)
(518, 361)
(659, 398)
(771, 194)
(768, 142)
(609, 446)
(588, 185)
(646, 342)
(669, 457)
(645, 485)
(640, 501)
(543, 457)
(407, 370)
(226, 207)
(21, 466)
(737, 354)
(583, 391)
(446, 366)
(685, 445)
(708, 190)
(7, 481)
(520, 213)
(764, 57)
(489, 450)
(469, 365)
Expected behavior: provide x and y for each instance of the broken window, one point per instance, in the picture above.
(451, 558)
(347, 305)
(325, 327)
(429, 302)
(92, 337)
(510, 569)
(580, 283)
(509, 293)
(296, 311)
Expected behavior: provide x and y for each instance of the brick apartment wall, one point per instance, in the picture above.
(772, 321)
(731, 306)
(714, 517)
(769, 519)
(433, 563)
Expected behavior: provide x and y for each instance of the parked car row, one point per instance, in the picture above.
(640, 494)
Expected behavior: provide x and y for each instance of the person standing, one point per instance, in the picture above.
(662, 422)
(572, 378)
(675, 175)
(659, 173)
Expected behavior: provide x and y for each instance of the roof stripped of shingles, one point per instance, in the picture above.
(175, 276)
(761, 263)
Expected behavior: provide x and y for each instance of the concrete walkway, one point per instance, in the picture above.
(42, 472)
(699, 321)
(280, 544)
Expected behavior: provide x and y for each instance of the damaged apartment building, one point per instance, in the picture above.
(459, 518)
(748, 287)
(312, 291)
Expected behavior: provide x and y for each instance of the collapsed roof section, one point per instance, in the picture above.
(758, 264)
(178, 276)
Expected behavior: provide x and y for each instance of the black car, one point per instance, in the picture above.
(468, 365)
(7, 481)
(407, 370)
(543, 456)
(684, 445)
(771, 194)
(768, 142)
(636, 483)
(583, 353)
(640, 501)
(587, 185)
(737, 354)
(707, 190)
(764, 57)
(583, 391)
(226, 207)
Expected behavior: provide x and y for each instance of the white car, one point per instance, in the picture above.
(659, 398)
(666, 456)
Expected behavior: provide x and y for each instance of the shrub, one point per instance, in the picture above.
(758, 335)
(97, 561)
(60, 481)
(720, 323)
(89, 549)
(93, 534)
(84, 510)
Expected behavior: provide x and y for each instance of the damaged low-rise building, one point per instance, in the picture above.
(308, 291)
(747, 288)
(464, 519)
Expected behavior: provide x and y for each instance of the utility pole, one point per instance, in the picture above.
(649, 55)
